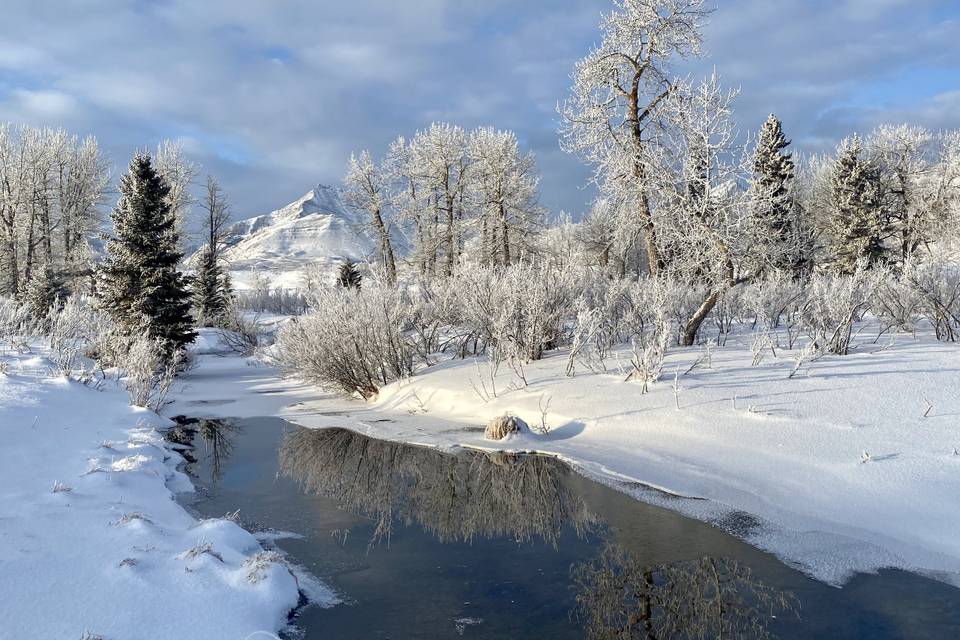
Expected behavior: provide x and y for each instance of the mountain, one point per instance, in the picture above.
(316, 230)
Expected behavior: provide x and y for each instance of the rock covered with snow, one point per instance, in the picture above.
(503, 426)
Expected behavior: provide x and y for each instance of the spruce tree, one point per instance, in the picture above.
(44, 292)
(349, 276)
(773, 201)
(140, 286)
(858, 226)
(210, 289)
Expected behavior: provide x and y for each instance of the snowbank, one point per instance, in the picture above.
(92, 540)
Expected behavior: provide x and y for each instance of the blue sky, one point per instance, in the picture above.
(273, 96)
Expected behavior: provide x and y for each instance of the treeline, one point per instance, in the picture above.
(449, 195)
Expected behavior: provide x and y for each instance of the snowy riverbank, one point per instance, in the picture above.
(92, 540)
(789, 452)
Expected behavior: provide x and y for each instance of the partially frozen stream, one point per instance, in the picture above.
(425, 544)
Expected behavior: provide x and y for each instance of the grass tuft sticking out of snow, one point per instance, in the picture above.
(60, 487)
(258, 564)
(202, 547)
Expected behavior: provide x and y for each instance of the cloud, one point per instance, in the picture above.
(274, 96)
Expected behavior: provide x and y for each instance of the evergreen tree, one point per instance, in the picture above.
(858, 225)
(44, 292)
(210, 297)
(140, 285)
(349, 276)
(212, 289)
(773, 201)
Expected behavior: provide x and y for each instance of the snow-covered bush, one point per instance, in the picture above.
(16, 319)
(771, 299)
(72, 328)
(519, 311)
(351, 341)
(239, 332)
(148, 372)
(896, 304)
(434, 316)
(935, 282)
(272, 300)
(833, 303)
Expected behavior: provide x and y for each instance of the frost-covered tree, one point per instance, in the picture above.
(179, 174)
(367, 189)
(776, 214)
(349, 276)
(439, 163)
(140, 286)
(51, 185)
(211, 287)
(614, 118)
(703, 210)
(503, 186)
(859, 227)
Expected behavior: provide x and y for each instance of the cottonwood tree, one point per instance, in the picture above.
(367, 189)
(439, 163)
(51, 184)
(503, 186)
(140, 286)
(919, 182)
(212, 289)
(615, 115)
(179, 174)
(703, 210)
(859, 226)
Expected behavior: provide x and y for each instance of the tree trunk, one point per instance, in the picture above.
(693, 325)
(386, 248)
(505, 232)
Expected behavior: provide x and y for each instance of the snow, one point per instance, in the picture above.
(745, 440)
(109, 551)
(316, 230)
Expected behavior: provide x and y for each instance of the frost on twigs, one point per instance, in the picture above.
(503, 426)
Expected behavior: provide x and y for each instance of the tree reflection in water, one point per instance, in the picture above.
(619, 597)
(454, 497)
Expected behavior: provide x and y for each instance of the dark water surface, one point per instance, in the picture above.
(424, 544)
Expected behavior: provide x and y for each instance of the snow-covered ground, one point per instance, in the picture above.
(839, 466)
(91, 540)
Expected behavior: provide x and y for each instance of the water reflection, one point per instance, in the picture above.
(454, 497)
(216, 435)
(619, 597)
(473, 496)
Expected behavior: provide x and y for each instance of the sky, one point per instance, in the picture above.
(273, 96)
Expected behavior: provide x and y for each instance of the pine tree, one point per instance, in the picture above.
(44, 292)
(858, 226)
(773, 201)
(349, 276)
(140, 285)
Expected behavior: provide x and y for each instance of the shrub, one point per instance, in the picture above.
(834, 302)
(352, 341)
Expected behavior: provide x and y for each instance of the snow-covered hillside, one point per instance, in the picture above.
(316, 230)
